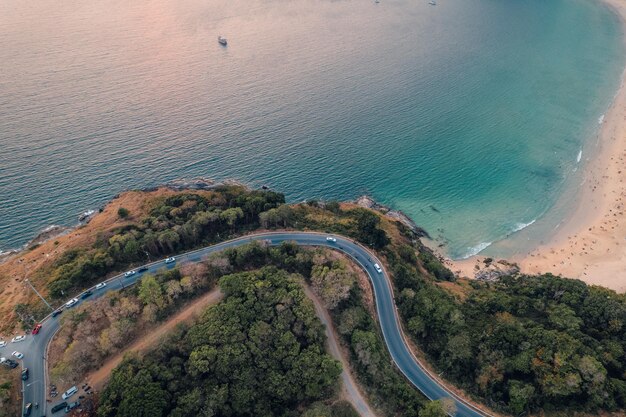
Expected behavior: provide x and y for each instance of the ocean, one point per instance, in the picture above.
(471, 116)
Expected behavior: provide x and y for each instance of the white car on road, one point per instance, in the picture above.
(18, 354)
(331, 239)
(20, 338)
(101, 285)
(170, 260)
(71, 302)
(130, 273)
(2, 343)
(378, 268)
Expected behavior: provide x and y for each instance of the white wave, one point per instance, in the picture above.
(86, 215)
(475, 250)
(520, 226)
(50, 228)
(601, 120)
(580, 155)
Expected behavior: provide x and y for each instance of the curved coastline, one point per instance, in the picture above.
(589, 243)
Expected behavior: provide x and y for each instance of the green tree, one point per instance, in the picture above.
(123, 213)
(520, 396)
(150, 291)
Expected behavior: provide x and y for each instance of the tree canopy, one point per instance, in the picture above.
(260, 352)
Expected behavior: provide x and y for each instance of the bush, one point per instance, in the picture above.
(123, 213)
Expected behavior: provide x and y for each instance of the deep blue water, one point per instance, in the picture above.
(468, 115)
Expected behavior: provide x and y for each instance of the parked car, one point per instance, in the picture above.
(9, 363)
(130, 273)
(27, 409)
(67, 394)
(142, 269)
(24, 374)
(36, 329)
(170, 260)
(57, 312)
(378, 268)
(86, 294)
(101, 285)
(72, 406)
(2, 343)
(18, 354)
(59, 407)
(18, 339)
(71, 303)
(331, 239)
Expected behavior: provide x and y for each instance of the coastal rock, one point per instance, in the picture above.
(368, 202)
(491, 271)
(48, 233)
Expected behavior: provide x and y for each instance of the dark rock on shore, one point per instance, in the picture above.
(370, 203)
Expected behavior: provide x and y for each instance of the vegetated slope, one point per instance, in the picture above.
(134, 228)
(9, 392)
(260, 352)
(524, 343)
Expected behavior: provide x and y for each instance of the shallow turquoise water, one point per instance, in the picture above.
(468, 115)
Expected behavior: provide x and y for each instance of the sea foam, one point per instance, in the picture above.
(521, 226)
(475, 250)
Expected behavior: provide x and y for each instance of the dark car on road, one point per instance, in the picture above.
(24, 374)
(57, 312)
(27, 409)
(86, 294)
(142, 269)
(59, 407)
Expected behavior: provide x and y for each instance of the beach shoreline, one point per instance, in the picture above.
(590, 243)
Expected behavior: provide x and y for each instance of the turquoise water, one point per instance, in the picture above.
(468, 115)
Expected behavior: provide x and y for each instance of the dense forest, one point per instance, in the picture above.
(523, 343)
(260, 352)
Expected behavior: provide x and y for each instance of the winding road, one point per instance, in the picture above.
(35, 346)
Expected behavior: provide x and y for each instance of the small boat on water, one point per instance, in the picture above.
(222, 41)
(432, 2)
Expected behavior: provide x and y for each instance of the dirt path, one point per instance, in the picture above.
(99, 377)
(350, 390)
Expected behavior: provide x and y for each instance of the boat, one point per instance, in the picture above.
(222, 41)
(432, 2)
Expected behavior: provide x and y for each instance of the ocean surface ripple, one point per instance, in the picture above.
(465, 115)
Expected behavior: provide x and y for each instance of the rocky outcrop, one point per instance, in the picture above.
(492, 271)
(368, 202)
(48, 233)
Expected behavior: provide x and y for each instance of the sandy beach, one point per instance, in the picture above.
(591, 243)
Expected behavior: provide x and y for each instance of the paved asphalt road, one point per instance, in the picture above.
(34, 346)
